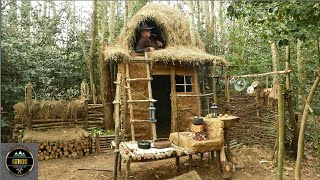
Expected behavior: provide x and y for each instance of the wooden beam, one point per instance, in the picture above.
(263, 74)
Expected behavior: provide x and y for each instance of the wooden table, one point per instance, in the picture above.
(228, 122)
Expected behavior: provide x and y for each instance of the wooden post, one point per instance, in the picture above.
(84, 89)
(97, 144)
(128, 169)
(281, 130)
(214, 81)
(153, 125)
(85, 117)
(28, 99)
(227, 93)
(190, 162)
(116, 117)
(173, 100)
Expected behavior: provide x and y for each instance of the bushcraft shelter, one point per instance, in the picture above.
(173, 71)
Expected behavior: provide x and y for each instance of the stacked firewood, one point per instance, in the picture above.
(74, 148)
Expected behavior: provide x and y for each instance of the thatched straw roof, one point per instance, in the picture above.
(175, 31)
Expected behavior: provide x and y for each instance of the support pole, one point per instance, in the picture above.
(28, 99)
(281, 130)
(117, 124)
(214, 81)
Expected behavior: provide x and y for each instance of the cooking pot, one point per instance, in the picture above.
(197, 120)
(143, 144)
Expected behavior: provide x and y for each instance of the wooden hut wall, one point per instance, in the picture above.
(186, 104)
(140, 110)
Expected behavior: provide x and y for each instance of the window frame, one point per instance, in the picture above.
(185, 84)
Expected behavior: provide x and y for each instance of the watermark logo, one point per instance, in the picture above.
(19, 161)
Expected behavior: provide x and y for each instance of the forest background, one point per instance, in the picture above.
(50, 43)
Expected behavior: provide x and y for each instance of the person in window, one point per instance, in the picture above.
(146, 43)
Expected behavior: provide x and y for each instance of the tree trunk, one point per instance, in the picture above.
(301, 78)
(191, 23)
(92, 49)
(292, 118)
(297, 171)
(221, 24)
(105, 88)
(206, 15)
(112, 23)
(105, 79)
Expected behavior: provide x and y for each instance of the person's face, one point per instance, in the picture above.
(146, 33)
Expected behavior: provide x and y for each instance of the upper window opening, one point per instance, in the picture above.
(183, 83)
(156, 35)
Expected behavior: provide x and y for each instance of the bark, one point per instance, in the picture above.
(105, 88)
(301, 78)
(191, 23)
(92, 48)
(281, 133)
(297, 171)
(222, 27)
(112, 23)
(206, 15)
(292, 118)
(105, 79)
(213, 17)
(53, 7)
(15, 22)
(275, 62)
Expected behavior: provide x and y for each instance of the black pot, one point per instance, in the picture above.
(143, 144)
(197, 121)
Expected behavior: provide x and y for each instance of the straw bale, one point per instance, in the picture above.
(55, 135)
(185, 140)
(175, 31)
(215, 129)
(46, 109)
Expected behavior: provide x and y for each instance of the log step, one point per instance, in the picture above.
(137, 101)
(139, 79)
(139, 121)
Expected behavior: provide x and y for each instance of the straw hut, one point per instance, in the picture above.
(173, 71)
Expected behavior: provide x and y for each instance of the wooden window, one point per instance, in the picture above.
(184, 83)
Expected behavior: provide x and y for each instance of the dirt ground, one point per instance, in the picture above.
(254, 163)
(254, 139)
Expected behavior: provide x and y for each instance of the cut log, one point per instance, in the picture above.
(192, 175)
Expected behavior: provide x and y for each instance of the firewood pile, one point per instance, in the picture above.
(53, 144)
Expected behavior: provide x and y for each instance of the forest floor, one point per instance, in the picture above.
(254, 140)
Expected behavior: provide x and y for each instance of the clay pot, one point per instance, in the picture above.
(162, 143)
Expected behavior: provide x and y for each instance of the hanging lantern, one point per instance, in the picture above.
(152, 113)
(214, 110)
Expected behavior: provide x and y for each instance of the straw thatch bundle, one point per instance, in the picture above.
(175, 31)
(50, 109)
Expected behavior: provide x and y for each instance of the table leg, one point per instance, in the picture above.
(128, 169)
(190, 162)
(227, 140)
(177, 165)
(119, 163)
